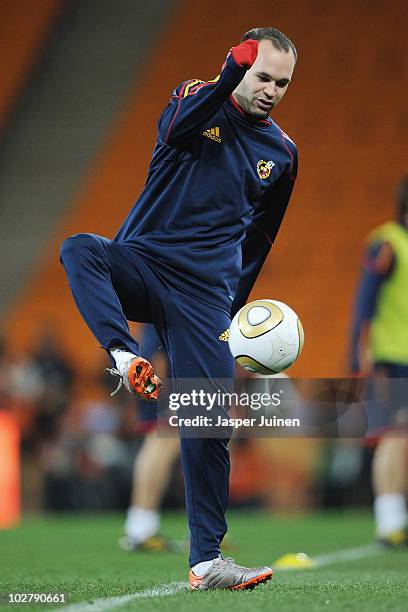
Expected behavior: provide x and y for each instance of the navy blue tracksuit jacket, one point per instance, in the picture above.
(217, 189)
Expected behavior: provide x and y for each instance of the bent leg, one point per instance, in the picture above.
(91, 265)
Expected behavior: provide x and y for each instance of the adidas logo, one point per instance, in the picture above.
(213, 133)
(224, 336)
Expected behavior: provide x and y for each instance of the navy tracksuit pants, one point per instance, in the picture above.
(112, 283)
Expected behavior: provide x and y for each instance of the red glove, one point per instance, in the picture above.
(245, 53)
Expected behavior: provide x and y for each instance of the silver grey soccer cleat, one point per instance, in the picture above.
(225, 574)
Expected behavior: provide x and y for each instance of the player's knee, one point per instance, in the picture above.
(75, 246)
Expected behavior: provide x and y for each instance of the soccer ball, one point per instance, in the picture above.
(266, 337)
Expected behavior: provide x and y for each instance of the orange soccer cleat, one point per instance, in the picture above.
(138, 377)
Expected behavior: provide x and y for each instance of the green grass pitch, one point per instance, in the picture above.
(79, 555)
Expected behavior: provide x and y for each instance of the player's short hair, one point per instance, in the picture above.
(279, 40)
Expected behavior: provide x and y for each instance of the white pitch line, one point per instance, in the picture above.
(165, 590)
(109, 603)
(348, 554)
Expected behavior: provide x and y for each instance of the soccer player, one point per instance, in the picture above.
(188, 254)
(380, 349)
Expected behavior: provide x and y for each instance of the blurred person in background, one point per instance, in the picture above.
(57, 378)
(152, 466)
(45, 377)
(379, 349)
(40, 387)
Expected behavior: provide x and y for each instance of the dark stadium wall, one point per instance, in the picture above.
(24, 27)
(345, 110)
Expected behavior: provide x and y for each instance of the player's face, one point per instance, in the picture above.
(266, 82)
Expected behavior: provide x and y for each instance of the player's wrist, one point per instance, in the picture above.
(245, 53)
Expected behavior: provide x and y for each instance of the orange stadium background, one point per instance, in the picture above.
(346, 110)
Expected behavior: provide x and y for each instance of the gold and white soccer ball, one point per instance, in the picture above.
(266, 337)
